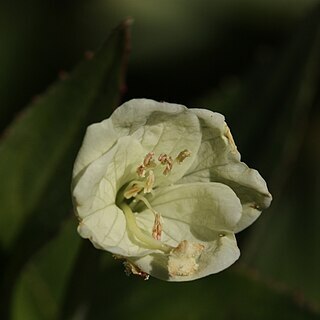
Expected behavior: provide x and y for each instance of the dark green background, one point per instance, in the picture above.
(255, 61)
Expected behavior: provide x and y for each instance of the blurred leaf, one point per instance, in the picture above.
(37, 153)
(227, 295)
(42, 138)
(280, 103)
(263, 106)
(40, 288)
(285, 243)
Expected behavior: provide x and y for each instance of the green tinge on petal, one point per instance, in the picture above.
(162, 128)
(218, 254)
(106, 229)
(249, 186)
(100, 181)
(214, 196)
(218, 160)
(211, 205)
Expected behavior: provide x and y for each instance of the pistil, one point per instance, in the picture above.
(140, 234)
(145, 184)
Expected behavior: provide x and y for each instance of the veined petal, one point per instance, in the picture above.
(218, 254)
(249, 186)
(98, 184)
(164, 187)
(106, 229)
(162, 128)
(99, 139)
(192, 211)
(218, 160)
(159, 126)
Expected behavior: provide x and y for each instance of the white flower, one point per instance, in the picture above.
(162, 186)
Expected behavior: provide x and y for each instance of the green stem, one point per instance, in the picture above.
(146, 202)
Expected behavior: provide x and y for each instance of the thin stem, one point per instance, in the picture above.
(146, 202)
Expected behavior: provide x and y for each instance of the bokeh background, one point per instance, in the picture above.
(255, 61)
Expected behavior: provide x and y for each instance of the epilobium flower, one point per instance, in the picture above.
(162, 186)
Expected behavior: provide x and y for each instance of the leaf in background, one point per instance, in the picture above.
(281, 103)
(285, 243)
(46, 133)
(227, 295)
(40, 288)
(37, 152)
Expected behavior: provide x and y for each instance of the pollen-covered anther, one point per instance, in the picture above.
(157, 227)
(141, 171)
(183, 260)
(148, 161)
(131, 268)
(229, 136)
(149, 182)
(182, 155)
(167, 162)
(168, 167)
(132, 192)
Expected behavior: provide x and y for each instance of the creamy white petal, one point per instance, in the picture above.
(218, 160)
(100, 181)
(190, 206)
(106, 229)
(162, 128)
(218, 254)
(99, 139)
(177, 222)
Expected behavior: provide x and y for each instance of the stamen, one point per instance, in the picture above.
(132, 192)
(183, 260)
(149, 182)
(162, 158)
(146, 202)
(148, 161)
(131, 268)
(157, 227)
(182, 155)
(229, 137)
(141, 171)
(167, 161)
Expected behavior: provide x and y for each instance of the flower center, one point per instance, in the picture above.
(135, 190)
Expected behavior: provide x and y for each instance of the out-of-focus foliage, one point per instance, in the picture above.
(37, 154)
(281, 101)
(41, 287)
(257, 62)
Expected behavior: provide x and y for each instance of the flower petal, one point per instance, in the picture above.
(201, 213)
(99, 139)
(218, 160)
(100, 181)
(186, 208)
(162, 128)
(106, 229)
(219, 254)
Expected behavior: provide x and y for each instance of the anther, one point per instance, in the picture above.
(148, 161)
(133, 191)
(149, 182)
(141, 171)
(182, 155)
(163, 158)
(229, 137)
(131, 268)
(157, 227)
(167, 161)
(168, 167)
